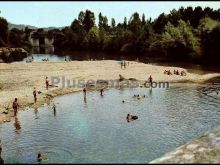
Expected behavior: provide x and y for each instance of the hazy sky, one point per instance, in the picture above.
(44, 14)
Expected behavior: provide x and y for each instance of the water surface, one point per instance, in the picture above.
(95, 130)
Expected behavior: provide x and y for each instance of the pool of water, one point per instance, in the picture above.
(95, 130)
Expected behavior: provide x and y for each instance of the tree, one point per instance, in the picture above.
(135, 24)
(210, 46)
(93, 38)
(15, 37)
(125, 23)
(159, 23)
(207, 24)
(105, 23)
(100, 20)
(143, 20)
(75, 26)
(89, 20)
(81, 17)
(113, 23)
(3, 31)
(179, 42)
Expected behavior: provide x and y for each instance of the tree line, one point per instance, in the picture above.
(186, 34)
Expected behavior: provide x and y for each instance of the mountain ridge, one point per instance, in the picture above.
(22, 27)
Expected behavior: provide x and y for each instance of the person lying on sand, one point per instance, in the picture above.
(183, 73)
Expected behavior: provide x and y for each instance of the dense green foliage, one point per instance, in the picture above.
(183, 34)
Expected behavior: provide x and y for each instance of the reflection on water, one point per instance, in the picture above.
(42, 50)
(17, 125)
(97, 131)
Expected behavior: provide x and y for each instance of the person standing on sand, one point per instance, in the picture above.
(15, 106)
(101, 91)
(47, 83)
(35, 95)
(121, 64)
(124, 64)
(150, 79)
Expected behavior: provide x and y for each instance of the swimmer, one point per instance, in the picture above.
(39, 157)
(131, 117)
(123, 101)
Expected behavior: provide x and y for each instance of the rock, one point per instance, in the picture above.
(177, 152)
(188, 156)
(201, 149)
(192, 146)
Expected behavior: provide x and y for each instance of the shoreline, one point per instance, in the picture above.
(19, 78)
(199, 150)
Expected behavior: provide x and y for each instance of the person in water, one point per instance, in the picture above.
(15, 106)
(131, 117)
(35, 95)
(84, 92)
(47, 83)
(39, 157)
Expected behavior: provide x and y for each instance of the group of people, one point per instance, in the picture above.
(123, 64)
(45, 59)
(85, 91)
(67, 59)
(15, 104)
(138, 96)
(176, 72)
(30, 59)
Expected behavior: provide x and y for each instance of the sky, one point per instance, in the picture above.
(62, 13)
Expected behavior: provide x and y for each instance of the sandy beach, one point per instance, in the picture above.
(19, 78)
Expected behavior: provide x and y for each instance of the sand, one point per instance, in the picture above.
(19, 78)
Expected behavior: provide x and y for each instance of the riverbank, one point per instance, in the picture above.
(19, 78)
